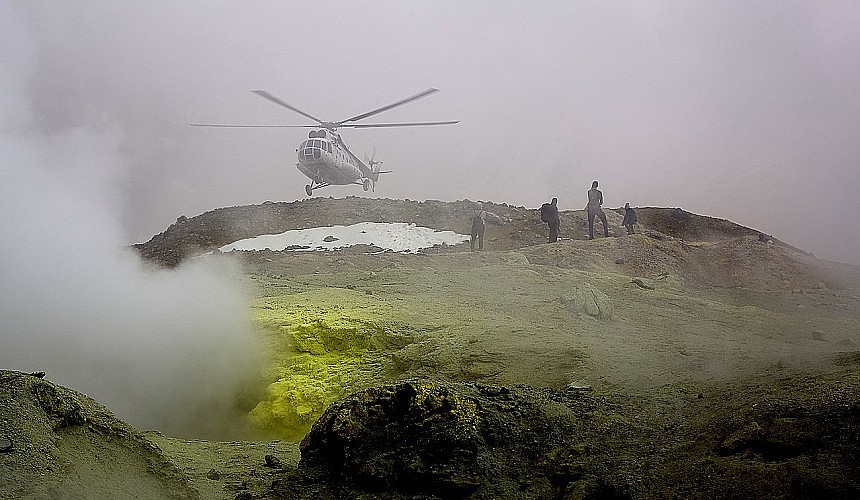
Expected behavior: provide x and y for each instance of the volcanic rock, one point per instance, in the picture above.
(443, 440)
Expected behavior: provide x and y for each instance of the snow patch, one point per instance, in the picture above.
(395, 236)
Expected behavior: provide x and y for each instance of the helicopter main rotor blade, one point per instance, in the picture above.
(386, 108)
(266, 95)
(408, 124)
(225, 125)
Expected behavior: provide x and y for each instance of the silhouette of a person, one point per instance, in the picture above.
(477, 227)
(629, 218)
(595, 200)
(552, 220)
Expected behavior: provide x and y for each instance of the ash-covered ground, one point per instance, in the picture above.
(696, 358)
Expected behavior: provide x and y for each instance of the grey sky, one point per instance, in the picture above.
(736, 109)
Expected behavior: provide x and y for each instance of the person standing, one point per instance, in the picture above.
(549, 214)
(595, 200)
(629, 218)
(478, 227)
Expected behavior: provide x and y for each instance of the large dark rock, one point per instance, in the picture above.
(401, 437)
(421, 439)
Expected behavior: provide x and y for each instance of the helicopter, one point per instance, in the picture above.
(324, 158)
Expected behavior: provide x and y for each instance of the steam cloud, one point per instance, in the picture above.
(156, 347)
(166, 350)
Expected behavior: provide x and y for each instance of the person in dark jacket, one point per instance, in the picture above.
(629, 218)
(549, 214)
(478, 227)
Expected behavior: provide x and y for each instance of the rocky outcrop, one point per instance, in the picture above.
(62, 444)
(586, 299)
(442, 440)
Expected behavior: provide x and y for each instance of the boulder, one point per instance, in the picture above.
(587, 299)
(431, 439)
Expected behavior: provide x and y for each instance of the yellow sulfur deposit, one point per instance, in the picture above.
(321, 343)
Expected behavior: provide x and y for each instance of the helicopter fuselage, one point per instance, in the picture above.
(323, 161)
(326, 160)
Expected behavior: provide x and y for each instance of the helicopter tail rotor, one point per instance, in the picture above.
(374, 164)
(377, 170)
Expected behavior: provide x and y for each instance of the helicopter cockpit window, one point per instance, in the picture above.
(312, 148)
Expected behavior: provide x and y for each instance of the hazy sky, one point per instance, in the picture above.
(746, 110)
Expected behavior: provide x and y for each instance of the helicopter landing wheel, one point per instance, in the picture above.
(309, 190)
(366, 184)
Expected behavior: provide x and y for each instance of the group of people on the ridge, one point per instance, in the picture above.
(594, 208)
(549, 215)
